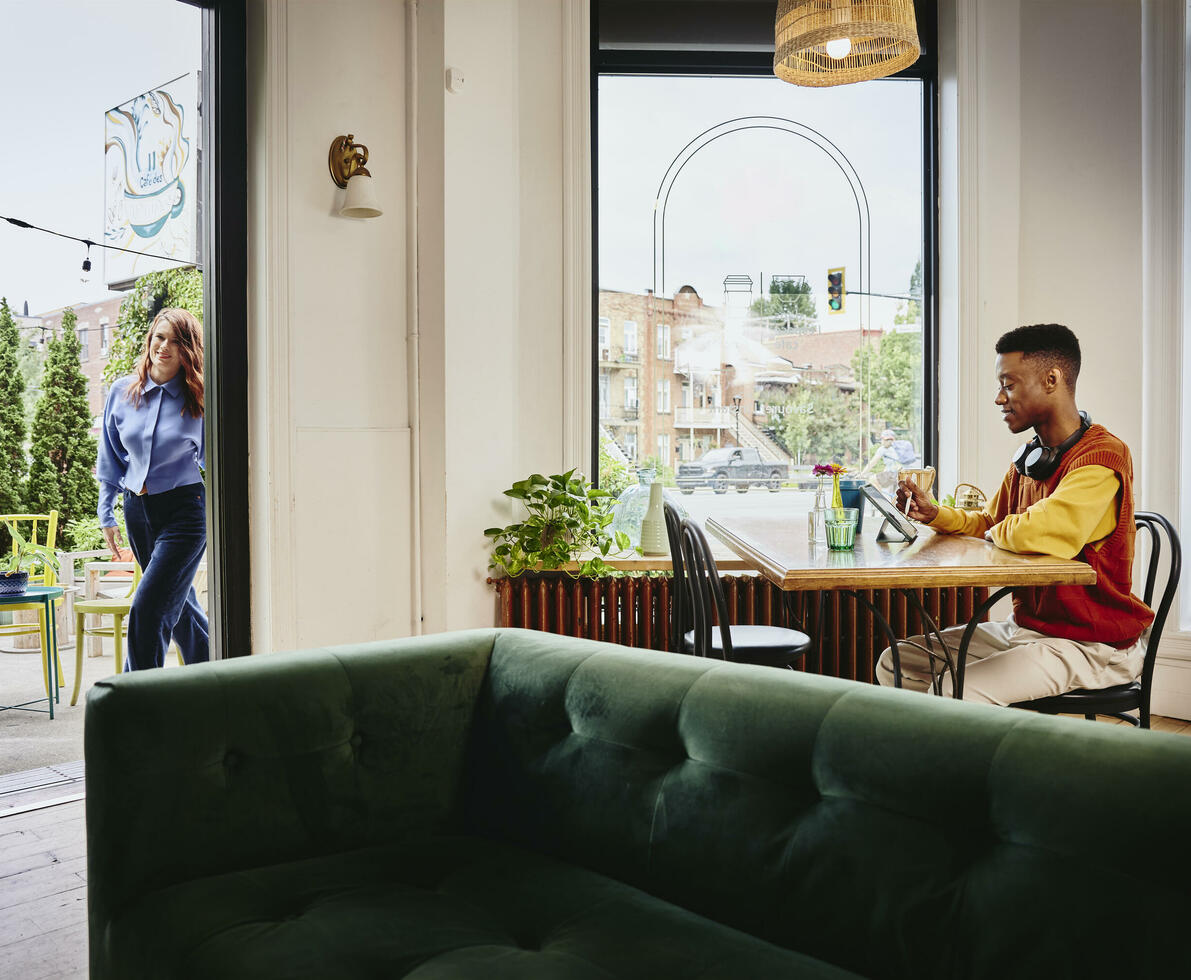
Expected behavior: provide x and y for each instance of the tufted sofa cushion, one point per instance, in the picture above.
(444, 907)
(892, 834)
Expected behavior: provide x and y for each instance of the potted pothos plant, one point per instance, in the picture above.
(16, 564)
(566, 520)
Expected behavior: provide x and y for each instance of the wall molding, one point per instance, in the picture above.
(576, 235)
(281, 447)
(1163, 135)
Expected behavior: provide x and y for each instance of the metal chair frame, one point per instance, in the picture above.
(1121, 699)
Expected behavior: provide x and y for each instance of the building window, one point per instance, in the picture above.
(778, 181)
(84, 333)
(103, 337)
(664, 448)
(663, 399)
(630, 444)
(605, 401)
(605, 339)
(630, 393)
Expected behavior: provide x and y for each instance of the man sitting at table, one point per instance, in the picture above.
(1069, 493)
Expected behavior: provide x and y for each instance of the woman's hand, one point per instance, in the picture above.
(114, 541)
(922, 507)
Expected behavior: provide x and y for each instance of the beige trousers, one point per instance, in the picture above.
(1008, 663)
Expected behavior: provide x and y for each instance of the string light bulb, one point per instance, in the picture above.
(86, 276)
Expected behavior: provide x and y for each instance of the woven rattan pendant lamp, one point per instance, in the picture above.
(835, 42)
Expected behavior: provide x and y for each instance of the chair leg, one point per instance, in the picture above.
(118, 636)
(78, 657)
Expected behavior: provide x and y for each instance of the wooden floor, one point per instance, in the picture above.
(43, 882)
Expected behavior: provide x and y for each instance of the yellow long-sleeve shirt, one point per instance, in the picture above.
(1081, 510)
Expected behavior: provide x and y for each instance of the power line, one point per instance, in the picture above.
(18, 222)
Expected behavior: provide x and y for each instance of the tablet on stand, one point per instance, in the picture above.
(897, 526)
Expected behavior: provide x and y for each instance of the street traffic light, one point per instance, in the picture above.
(836, 290)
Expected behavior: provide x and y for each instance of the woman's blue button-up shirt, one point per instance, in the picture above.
(155, 445)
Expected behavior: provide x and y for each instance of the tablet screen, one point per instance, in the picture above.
(894, 519)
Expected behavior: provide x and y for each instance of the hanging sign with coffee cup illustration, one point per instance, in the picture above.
(150, 180)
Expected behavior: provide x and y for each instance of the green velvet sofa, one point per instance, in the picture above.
(506, 803)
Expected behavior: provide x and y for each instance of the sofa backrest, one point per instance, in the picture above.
(250, 762)
(894, 834)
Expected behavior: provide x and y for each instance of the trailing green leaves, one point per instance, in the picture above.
(566, 520)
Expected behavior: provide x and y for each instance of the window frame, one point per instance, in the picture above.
(223, 234)
(650, 61)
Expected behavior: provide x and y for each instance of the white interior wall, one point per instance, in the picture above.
(491, 372)
(330, 458)
(1081, 196)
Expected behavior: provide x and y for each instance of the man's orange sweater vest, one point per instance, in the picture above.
(1106, 612)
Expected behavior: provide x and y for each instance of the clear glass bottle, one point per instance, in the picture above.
(816, 525)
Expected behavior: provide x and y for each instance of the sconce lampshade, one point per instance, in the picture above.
(835, 42)
(360, 199)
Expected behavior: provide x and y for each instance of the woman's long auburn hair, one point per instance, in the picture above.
(188, 348)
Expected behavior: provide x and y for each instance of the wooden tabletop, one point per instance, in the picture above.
(779, 550)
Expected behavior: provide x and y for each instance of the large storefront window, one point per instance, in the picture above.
(761, 254)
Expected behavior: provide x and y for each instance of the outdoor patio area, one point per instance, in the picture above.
(30, 739)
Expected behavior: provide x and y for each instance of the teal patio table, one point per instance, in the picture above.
(46, 595)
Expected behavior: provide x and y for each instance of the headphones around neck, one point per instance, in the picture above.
(1039, 462)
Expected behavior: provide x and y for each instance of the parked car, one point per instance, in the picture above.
(737, 467)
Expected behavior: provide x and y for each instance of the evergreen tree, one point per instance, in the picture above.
(63, 451)
(13, 463)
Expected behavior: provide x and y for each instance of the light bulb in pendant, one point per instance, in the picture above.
(839, 48)
(86, 274)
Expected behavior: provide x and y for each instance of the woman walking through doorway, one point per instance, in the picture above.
(152, 450)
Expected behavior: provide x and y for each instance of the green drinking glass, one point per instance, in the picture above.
(841, 527)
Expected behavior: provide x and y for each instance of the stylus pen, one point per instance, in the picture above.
(909, 497)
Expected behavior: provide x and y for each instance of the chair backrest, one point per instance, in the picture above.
(679, 600)
(36, 529)
(706, 592)
(1156, 525)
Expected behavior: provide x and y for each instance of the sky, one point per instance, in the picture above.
(759, 203)
(65, 63)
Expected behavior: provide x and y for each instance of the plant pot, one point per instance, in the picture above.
(13, 583)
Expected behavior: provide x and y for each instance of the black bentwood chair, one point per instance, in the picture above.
(1120, 699)
(697, 590)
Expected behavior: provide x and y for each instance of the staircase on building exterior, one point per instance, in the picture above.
(618, 453)
(753, 437)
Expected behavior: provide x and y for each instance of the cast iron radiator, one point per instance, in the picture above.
(636, 612)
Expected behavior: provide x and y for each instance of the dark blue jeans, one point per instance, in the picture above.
(168, 535)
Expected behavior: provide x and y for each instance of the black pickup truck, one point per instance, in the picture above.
(731, 467)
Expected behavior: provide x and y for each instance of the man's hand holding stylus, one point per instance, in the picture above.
(922, 508)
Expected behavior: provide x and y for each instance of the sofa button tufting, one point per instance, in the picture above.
(357, 740)
(231, 760)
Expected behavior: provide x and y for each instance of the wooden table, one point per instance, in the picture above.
(780, 551)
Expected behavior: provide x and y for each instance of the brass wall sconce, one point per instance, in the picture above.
(346, 161)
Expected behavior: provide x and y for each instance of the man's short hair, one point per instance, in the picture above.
(1047, 344)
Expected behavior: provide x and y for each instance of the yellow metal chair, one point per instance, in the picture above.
(30, 526)
(118, 609)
